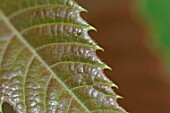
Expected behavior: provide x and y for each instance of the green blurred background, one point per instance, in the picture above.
(134, 34)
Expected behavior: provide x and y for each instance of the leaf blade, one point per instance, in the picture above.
(83, 105)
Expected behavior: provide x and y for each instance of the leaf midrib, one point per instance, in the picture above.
(20, 37)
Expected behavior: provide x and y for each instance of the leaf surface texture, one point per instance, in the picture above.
(48, 62)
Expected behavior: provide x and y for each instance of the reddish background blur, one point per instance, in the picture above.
(137, 67)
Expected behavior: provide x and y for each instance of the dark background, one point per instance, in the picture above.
(137, 67)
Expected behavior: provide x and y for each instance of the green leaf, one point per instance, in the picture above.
(0, 109)
(157, 13)
(48, 62)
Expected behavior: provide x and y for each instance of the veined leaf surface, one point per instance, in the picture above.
(48, 62)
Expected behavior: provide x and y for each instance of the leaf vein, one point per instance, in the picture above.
(24, 80)
(20, 37)
(4, 50)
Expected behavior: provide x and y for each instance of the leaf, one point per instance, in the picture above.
(157, 13)
(0, 109)
(48, 62)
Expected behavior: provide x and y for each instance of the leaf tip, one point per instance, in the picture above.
(92, 28)
(83, 10)
(119, 97)
(99, 48)
(115, 86)
(107, 67)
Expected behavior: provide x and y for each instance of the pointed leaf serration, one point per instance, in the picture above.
(48, 62)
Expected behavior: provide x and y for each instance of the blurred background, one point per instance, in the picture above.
(139, 65)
